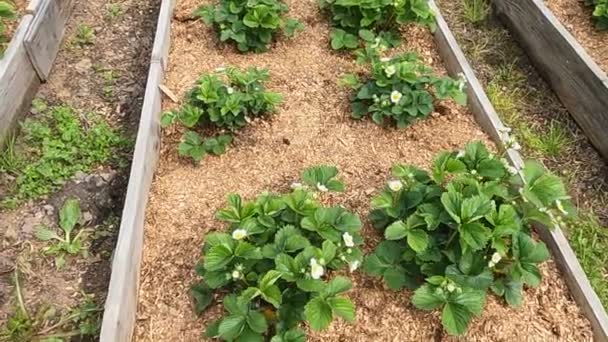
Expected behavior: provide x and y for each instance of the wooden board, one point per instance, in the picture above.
(162, 40)
(576, 79)
(18, 80)
(121, 303)
(44, 37)
(486, 116)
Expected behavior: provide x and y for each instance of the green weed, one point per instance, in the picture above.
(113, 11)
(84, 35)
(46, 325)
(590, 242)
(475, 11)
(57, 144)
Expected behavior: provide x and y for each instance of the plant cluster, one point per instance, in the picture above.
(600, 13)
(56, 144)
(46, 325)
(85, 35)
(250, 24)
(399, 89)
(227, 99)
(463, 229)
(69, 216)
(349, 18)
(275, 260)
(7, 11)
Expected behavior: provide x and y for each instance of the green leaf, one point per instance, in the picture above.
(337, 285)
(203, 296)
(425, 298)
(318, 313)
(367, 35)
(474, 236)
(311, 285)
(292, 26)
(231, 327)
(247, 251)
(257, 322)
(396, 231)
(217, 258)
(269, 279)
(44, 234)
(455, 318)
(342, 307)
(417, 239)
(69, 215)
(395, 278)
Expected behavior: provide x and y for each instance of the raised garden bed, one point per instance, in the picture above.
(565, 59)
(28, 58)
(165, 221)
(74, 146)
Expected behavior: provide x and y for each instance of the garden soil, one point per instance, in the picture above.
(122, 45)
(312, 126)
(577, 18)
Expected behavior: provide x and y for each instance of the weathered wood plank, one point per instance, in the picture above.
(44, 37)
(32, 6)
(576, 79)
(18, 80)
(486, 116)
(121, 303)
(162, 40)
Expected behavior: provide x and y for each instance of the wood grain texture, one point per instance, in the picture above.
(162, 40)
(32, 6)
(577, 80)
(121, 303)
(486, 116)
(44, 37)
(18, 80)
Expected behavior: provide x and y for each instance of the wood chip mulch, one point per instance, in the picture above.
(311, 127)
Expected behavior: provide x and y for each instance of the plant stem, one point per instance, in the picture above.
(20, 296)
(452, 237)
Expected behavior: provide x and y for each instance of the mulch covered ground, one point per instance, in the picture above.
(312, 126)
(577, 18)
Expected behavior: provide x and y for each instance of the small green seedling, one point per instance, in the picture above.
(600, 13)
(84, 35)
(69, 215)
(113, 11)
(475, 11)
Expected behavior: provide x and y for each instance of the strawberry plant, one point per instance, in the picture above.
(367, 18)
(250, 24)
(600, 13)
(274, 261)
(401, 89)
(227, 99)
(463, 229)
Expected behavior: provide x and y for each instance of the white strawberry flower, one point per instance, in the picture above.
(322, 187)
(385, 59)
(395, 185)
(316, 269)
(390, 70)
(229, 90)
(353, 265)
(496, 257)
(239, 234)
(396, 96)
(473, 172)
(348, 240)
(460, 154)
(296, 185)
(236, 274)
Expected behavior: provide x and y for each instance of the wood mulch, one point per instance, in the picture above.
(312, 126)
(577, 18)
